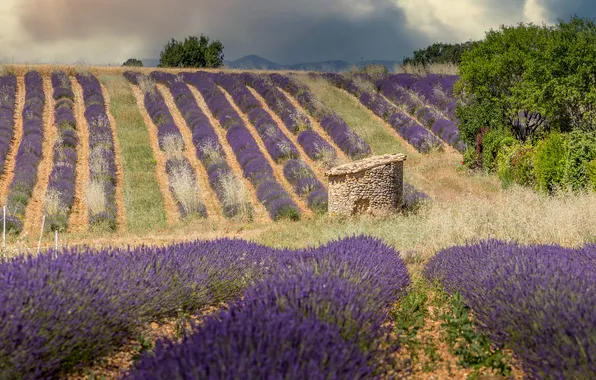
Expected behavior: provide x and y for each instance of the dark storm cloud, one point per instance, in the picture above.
(286, 31)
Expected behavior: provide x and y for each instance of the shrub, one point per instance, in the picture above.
(133, 62)
(581, 149)
(492, 142)
(192, 52)
(592, 174)
(516, 165)
(550, 162)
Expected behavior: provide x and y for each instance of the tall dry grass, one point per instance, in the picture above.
(235, 193)
(422, 70)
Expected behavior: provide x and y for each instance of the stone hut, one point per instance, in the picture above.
(373, 186)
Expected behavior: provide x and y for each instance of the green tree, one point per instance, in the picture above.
(192, 52)
(439, 52)
(529, 79)
(133, 62)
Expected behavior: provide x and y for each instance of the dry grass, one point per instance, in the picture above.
(185, 189)
(422, 70)
(96, 198)
(147, 85)
(173, 147)
(53, 204)
(235, 193)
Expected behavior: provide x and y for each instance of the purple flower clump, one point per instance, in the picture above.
(8, 92)
(102, 164)
(448, 132)
(64, 311)
(537, 300)
(29, 153)
(319, 316)
(252, 161)
(413, 132)
(62, 178)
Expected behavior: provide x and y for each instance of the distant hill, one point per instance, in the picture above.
(253, 61)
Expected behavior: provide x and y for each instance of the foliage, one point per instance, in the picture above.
(133, 62)
(592, 173)
(320, 315)
(516, 165)
(439, 52)
(550, 162)
(530, 79)
(581, 149)
(492, 143)
(192, 52)
(537, 300)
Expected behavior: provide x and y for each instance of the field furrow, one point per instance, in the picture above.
(143, 201)
(316, 166)
(9, 163)
(260, 213)
(120, 210)
(35, 208)
(316, 126)
(171, 208)
(79, 217)
(208, 195)
(277, 170)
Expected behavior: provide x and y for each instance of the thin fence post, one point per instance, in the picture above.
(43, 222)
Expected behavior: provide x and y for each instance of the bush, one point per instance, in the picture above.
(492, 142)
(516, 165)
(439, 52)
(581, 149)
(133, 62)
(192, 52)
(592, 174)
(550, 162)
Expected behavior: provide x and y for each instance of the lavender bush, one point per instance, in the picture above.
(207, 147)
(347, 140)
(8, 93)
(252, 161)
(413, 198)
(182, 179)
(61, 186)
(61, 312)
(319, 316)
(538, 300)
(29, 153)
(413, 132)
(101, 191)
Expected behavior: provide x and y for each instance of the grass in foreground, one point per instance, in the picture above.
(142, 198)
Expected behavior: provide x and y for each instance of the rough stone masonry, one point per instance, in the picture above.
(373, 186)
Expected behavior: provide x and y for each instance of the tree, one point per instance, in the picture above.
(529, 79)
(439, 52)
(192, 52)
(133, 62)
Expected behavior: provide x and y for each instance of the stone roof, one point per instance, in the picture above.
(365, 164)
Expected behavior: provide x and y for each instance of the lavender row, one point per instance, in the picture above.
(306, 184)
(8, 93)
(29, 154)
(446, 129)
(280, 148)
(207, 146)
(344, 137)
(414, 133)
(538, 300)
(315, 146)
(61, 186)
(252, 161)
(65, 312)
(321, 315)
(101, 190)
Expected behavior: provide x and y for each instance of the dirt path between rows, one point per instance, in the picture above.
(208, 195)
(9, 164)
(35, 208)
(277, 168)
(260, 213)
(316, 126)
(120, 210)
(317, 167)
(172, 212)
(79, 215)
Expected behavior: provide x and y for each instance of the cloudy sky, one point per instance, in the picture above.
(284, 31)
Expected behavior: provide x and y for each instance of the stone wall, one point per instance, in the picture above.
(370, 186)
